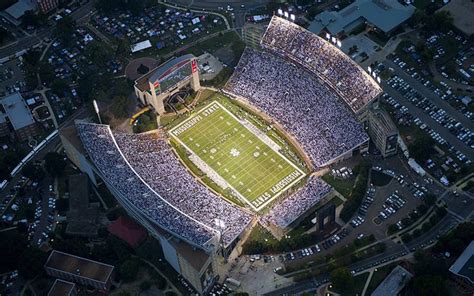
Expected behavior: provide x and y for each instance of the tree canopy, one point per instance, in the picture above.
(342, 279)
(54, 163)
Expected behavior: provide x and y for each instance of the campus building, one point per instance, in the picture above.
(82, 217)
(394, 283)
(62, 288)
(80, 270)
(15, 117)
(462, 270)
(385, 15)
(156, 87)
(46, 6)
(383, 132)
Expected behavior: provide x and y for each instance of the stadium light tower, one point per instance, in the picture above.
(292, 17)
(328, 36)
(369, 69)
(96, 108)
(286, 14)
(339, 43)
(280, 11)
(378, 79)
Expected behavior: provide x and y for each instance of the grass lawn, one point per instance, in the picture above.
(344, 187)
(359, 282)
(235, 156)
(379, 276)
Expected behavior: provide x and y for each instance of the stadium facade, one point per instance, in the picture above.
(192, 237)
(195, 260)
(158, 85)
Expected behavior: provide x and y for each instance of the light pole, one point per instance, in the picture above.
(96, 108)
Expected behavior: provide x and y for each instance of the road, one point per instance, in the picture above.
(425, 118)
(393, 254)
(28, 42)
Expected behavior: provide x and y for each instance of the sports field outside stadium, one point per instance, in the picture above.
(236, 153)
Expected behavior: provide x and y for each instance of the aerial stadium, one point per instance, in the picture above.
(250, 154)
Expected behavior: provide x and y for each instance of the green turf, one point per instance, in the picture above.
(252, 168)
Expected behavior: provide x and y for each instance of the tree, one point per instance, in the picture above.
(429, 286)
(32, 172)
(429, 199)
(59, 87)
(145, 286)
(46, 72)
(121, 106)
(97, 53)
(421, 148)
(64, 30)
(30, 18)
(439, 21)
(129, 270)
(31, 262)
(11, 246)
(3, 34)
(54, 163)
(342, 279)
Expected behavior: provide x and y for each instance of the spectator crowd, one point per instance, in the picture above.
(304, 106)
(289, 209)
(319, 56)
(145, 170)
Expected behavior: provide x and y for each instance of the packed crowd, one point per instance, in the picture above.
(289, 209)
(153, 160)
(102, 149)
(305, 107)
(319, 56)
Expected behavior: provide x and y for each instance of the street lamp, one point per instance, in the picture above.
(96, 108)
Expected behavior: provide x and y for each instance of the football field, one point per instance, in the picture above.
(233, 152)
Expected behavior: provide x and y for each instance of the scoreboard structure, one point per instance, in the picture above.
(155, 87)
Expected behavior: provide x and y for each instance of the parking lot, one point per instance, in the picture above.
(166, 28)
(11, 78)
(455, 127)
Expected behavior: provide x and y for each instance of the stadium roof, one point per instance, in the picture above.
(16, 109)
(79, 266)
(61, 288)
(464, 265)
(384, 14)
(161, 69)
(394, 282)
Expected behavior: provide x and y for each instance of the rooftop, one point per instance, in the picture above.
(82, 216)
(382, 119)
(394, 282)
(17, 110)
(162, 69)
(61, 288)
(19, 8)
(79, 266)
(464, 265)
(384, 14)
(127, 230)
